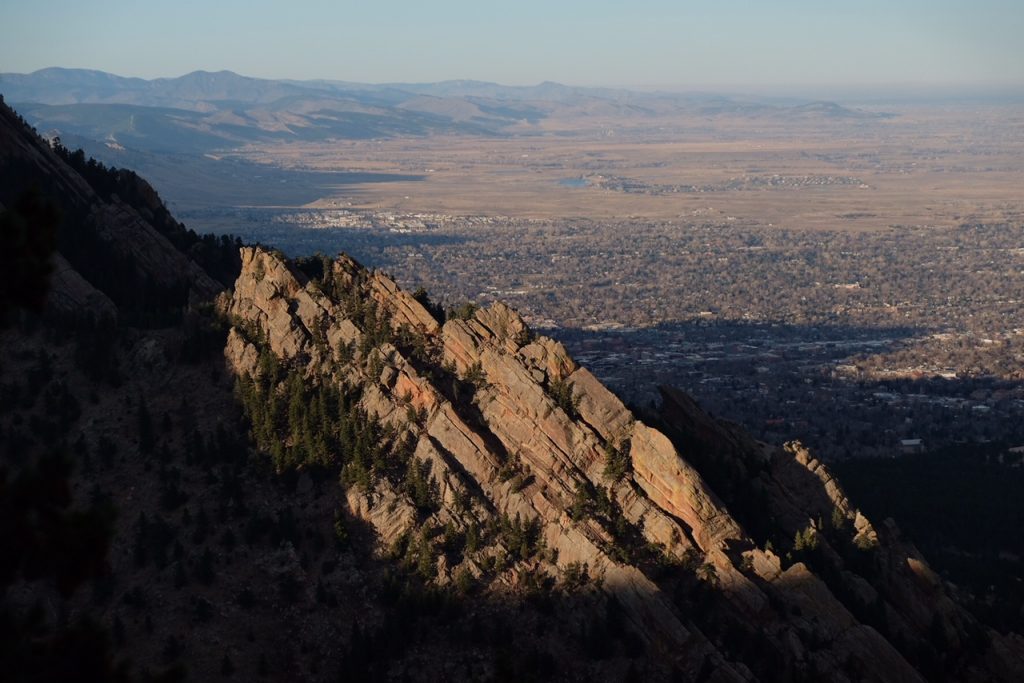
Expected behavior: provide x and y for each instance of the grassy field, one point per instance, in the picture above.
(922, 167)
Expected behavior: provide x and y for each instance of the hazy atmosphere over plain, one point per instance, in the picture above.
(645, 43)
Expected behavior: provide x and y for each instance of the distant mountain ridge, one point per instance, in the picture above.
(83, 86)
(204, 111)
(58, 85)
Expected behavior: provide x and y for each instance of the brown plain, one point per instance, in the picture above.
(922, 167)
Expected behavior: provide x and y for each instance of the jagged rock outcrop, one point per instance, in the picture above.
(876, 574)
(510, 428)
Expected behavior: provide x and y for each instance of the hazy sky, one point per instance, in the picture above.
(591, 42)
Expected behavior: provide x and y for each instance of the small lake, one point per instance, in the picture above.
(573, 182)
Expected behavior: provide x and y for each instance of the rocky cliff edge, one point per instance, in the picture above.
(512, 434)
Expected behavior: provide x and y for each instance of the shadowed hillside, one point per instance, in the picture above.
(318, 475)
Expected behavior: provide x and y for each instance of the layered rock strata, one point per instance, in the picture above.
(532, 441)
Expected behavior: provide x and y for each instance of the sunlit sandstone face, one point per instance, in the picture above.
(512, 446)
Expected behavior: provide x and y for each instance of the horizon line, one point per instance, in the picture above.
(707, 87)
